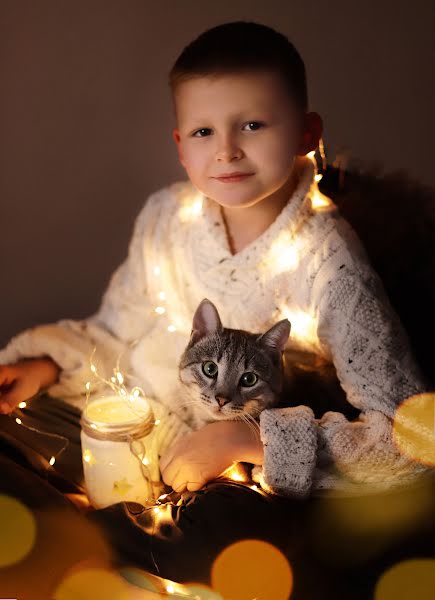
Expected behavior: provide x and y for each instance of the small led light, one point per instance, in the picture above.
(160, 310)
(52, 460)
(157, 270)
(19, 421)
(156, 422)
(311, 154)
(162, 296)
(172, 328)
(22, 405)
(170, 589)
(318, 177)
(88, 385)
(93, 368)
(145, 461)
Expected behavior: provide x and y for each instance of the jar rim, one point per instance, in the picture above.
(133, 428)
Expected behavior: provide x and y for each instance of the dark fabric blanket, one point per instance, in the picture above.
(337, 547)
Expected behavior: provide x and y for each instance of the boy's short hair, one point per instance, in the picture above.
(242, 46)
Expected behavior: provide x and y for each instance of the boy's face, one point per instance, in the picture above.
(242, 122)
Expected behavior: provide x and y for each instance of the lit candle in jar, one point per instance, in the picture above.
(118, 463)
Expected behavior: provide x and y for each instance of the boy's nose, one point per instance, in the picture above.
(222, 401)
(229, 150)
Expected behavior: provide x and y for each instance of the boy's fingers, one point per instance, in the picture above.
(7, 403)
(10, 399)
(165, 460)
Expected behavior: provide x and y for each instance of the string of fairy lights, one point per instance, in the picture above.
(302, 324)
(284, 257)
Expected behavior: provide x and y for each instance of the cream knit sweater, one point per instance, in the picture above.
(308, 266)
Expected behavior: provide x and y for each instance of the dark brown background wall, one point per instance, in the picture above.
(85, 121)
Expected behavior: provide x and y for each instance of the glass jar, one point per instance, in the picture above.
(119, 459)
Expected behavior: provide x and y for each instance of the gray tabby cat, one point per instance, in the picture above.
(231, 373)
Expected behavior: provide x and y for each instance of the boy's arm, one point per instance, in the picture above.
(370, 350)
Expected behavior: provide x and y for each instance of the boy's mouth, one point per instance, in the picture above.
(233, 177)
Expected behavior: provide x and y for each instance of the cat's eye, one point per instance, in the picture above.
(248, 379)
(210, 368)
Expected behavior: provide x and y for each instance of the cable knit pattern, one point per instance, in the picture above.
(308, 266)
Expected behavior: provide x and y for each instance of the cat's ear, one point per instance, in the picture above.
(276, 337)
(206, 321)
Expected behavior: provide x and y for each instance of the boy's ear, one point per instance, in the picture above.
(176, 137)
(311, 133)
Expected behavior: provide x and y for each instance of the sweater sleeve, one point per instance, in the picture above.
(362, 334)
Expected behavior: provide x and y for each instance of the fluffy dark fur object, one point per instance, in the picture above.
(394, 216)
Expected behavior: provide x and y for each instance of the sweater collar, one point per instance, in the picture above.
(214, 232)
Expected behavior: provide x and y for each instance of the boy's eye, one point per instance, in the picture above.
(254, 123)
(210, 369)
(248, 379)
(203, 129)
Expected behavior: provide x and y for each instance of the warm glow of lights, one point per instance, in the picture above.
(413, 578)
(255, 488)
(88, 456)
(157, 421)
(318, 177)
(162, 296)
(263, 484)
(303, 325)
(93, 368)
(311, 154)
(190, 209)
(93, 583)
(320, 202)
(235, 472)
(283, 254)
(19, 421)
(22, 405)
(88, 385)
(18, 531)
(414, 428)
(160, 310)
(162, 497)
(170, 589)
(52, 460)
(156, 509)
(119, 377)
(145, 461)
(156, 271)
(252, 569)
(172, 328)
(199, 591)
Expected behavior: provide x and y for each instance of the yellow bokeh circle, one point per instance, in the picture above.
(414, 428)
(408, 579)
(18, 531)
(252, 569)
(89, 584)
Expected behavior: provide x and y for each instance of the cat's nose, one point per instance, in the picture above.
(222, 401)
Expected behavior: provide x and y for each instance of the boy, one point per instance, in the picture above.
(255, 246)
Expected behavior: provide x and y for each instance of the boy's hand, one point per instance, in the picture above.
(204, 454)
(23, 380)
